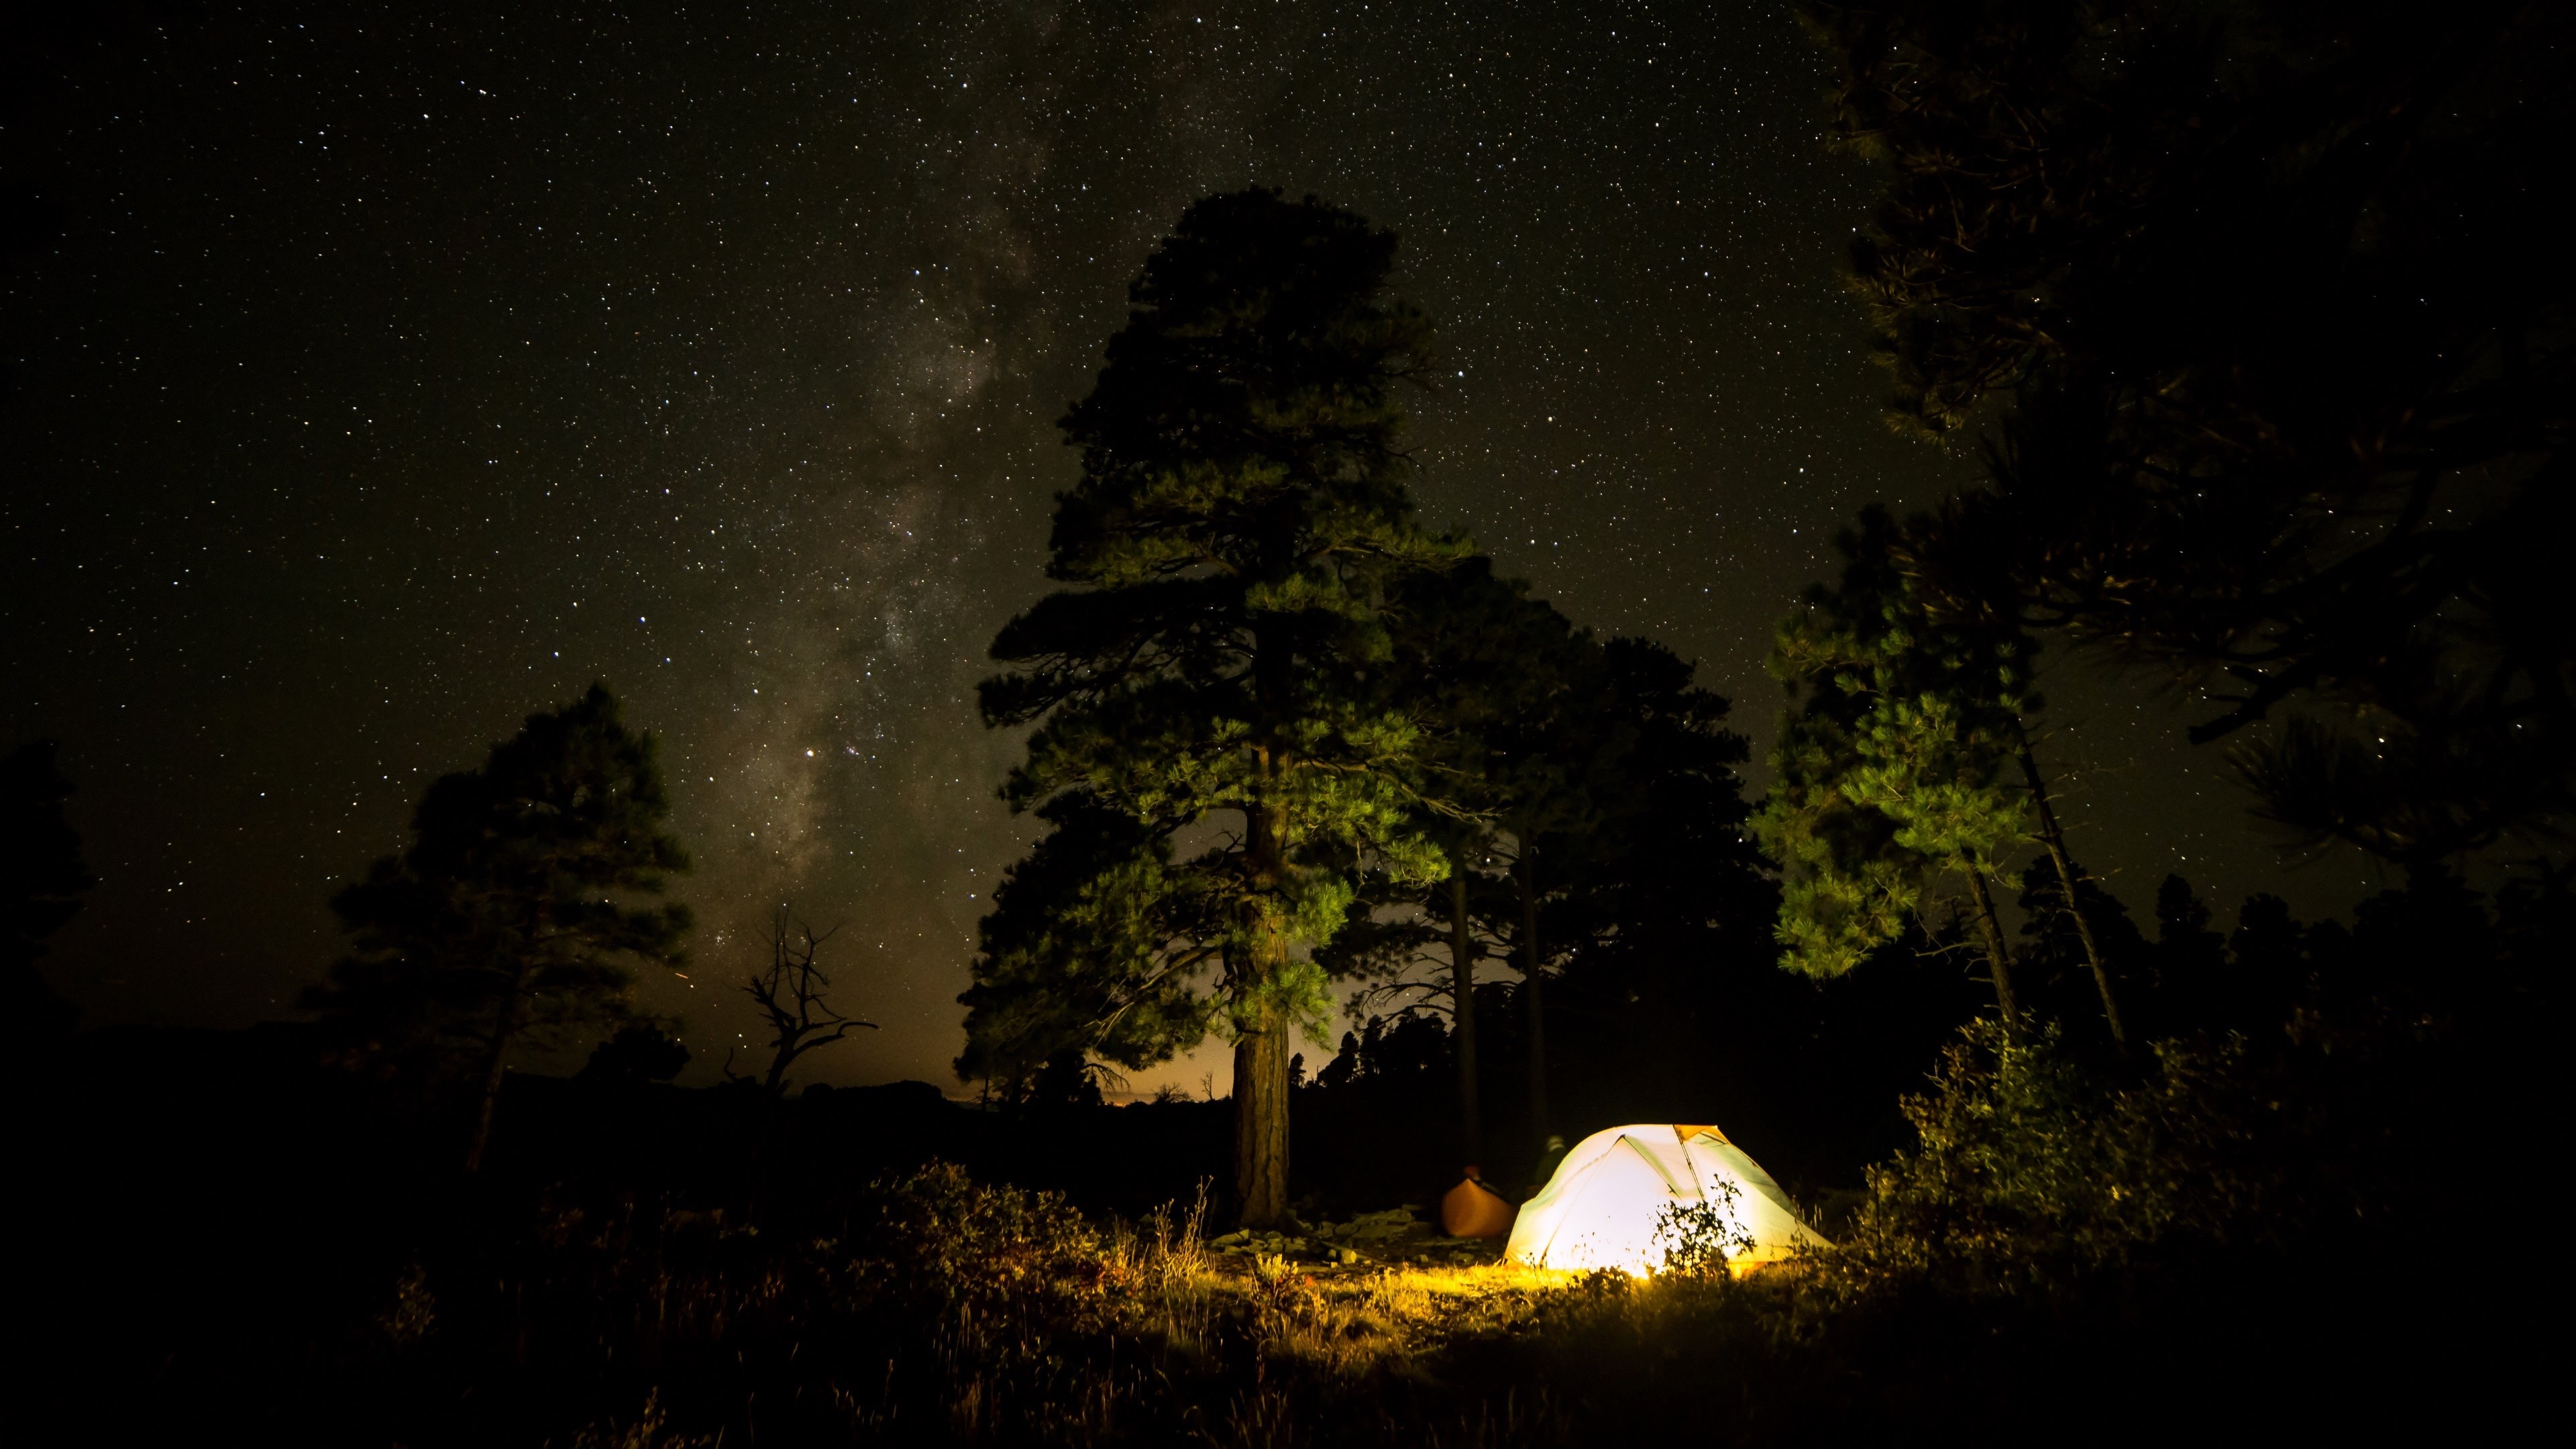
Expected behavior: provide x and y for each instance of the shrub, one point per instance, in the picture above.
(938, 1241)
(2030, 1171)
(1698, 1238)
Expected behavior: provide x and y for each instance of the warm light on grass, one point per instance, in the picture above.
(1340, 1320)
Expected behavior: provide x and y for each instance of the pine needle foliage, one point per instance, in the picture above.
(1891, 766)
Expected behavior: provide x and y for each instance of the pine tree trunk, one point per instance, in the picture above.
(2055, 840)
(1997, 960)
(1261, 1051)
(1530, 990)
(1462, 986)
(504, 1027)
(1261, 1121)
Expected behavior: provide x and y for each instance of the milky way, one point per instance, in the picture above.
(396, 374)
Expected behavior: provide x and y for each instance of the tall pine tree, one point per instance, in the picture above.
(1240, 519)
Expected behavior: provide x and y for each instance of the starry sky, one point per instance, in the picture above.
(393, 372)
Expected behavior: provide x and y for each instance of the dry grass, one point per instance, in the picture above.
(1349, 1321)
(946, 1312)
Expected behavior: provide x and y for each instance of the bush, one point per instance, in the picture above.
(2031, 1172)
(941, 1244)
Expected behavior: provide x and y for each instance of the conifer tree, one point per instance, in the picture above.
(1890, 767)
(1594, 798)
(1516, 713)
(1239, 521)
(1895, 768)
(518, 907)
(1553, 767)
(1660, 891)
(2087, 935)
(1495, 668)
(1611, 736)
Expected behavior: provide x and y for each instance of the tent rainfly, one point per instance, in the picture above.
(1606, 1205)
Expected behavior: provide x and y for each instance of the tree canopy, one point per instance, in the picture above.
(1891, 763)
(2241, 297)
(518, 908)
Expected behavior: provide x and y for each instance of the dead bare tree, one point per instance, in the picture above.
(791, 995)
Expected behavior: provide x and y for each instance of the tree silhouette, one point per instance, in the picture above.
(2078, 903)
(1503, 687)
(1240, 517)
(2274, 401)
(2088, 940)
(42, 878)
(1663, 901)
(2190, 958)
(1481, 663)
(512, 913)
(1616, 772)
(1595, 770)
(1551, 762)
(792, 994)
(639, 1053)
(1670, 859)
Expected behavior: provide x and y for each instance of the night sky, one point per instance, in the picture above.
(394, 375)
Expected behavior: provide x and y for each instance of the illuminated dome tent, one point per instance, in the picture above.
(1604, 1206)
